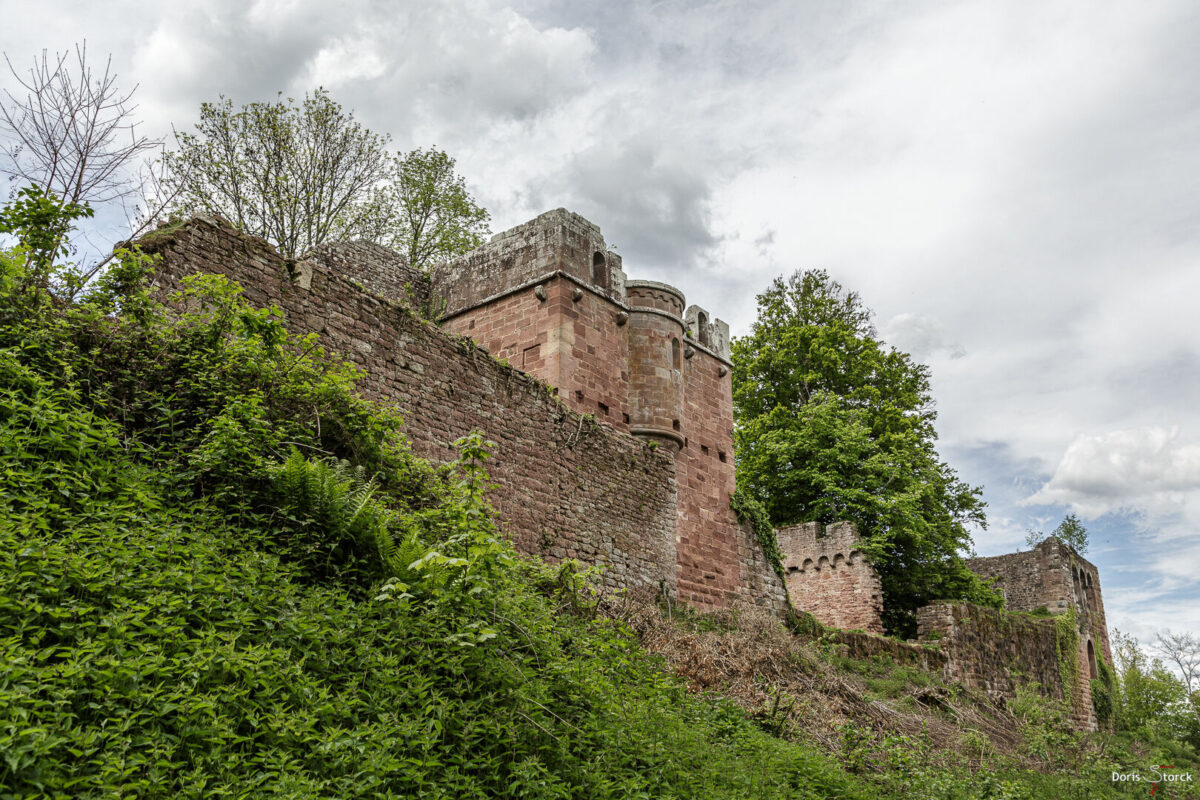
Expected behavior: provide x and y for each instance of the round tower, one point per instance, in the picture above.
(656, 362)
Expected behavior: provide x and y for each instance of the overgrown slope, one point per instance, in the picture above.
(223, 574)
(198, 599)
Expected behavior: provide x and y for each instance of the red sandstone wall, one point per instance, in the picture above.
(571, 340)
(568, 487)
(828, 577)
(997, 651)
(993, 650)
(1055, 577)
(710, 564)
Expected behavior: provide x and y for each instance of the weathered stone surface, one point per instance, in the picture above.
(551, 385)
(993, 650)
(828, 577)
(1055, 577)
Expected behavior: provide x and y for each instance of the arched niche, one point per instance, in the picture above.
(600, 274)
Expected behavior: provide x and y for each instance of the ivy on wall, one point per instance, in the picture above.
(1067, 647)
(748, 509)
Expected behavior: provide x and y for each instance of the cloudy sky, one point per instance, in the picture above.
(1012, 187)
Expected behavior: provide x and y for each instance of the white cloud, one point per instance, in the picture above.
(920, 336)
(1147, 469)
(1010, 187)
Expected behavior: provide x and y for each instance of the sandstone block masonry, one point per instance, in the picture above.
(595, 459)
(550, 297)
(1054, 577)
(983, 648)
(828, 577)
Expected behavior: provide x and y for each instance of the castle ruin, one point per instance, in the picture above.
(610, 403)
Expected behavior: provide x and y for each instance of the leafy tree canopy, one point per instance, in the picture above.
(303, 174)
(1070, 531)
(832, 424)
(424, 211)
(283, 171)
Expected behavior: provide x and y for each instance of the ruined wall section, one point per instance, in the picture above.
(1028, 580)
(1053, 576)
(993, 650)
(569, 488)
(377, 269)
(828, 576)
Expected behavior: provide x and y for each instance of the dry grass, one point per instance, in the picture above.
(798, 691)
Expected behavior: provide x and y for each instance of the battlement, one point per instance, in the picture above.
(549, 297)
(827, 575)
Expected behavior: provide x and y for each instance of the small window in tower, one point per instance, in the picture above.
(675, 424)
(625, 418)
(721, 455)
(676, 363)
(603, 409)
(702, 334)
(579, 395)
(704, 449)
(599, 270)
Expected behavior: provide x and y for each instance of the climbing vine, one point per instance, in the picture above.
(1104, 692)
(749, 509)
(1067, 648)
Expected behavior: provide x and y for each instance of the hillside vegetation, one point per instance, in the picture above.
(224, 574)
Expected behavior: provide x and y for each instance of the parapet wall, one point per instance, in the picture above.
(569, 487)
(828, 577)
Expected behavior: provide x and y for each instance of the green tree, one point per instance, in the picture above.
(831, 424)
(41, 224)
(1070, 531)
(424, 211)
(1154, 701)
(291, 173)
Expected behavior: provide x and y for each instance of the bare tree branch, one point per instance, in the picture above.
(73, 133)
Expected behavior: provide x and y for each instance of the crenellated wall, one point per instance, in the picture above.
(573, 483)
(828, 577)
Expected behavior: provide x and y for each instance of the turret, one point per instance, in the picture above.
(656, 335)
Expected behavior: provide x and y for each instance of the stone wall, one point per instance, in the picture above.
(377, 269)
(993, 650)
(520, 257)
(569, 487)
(709, 538)
(1055, 577)
(828, 577)
(564, 333)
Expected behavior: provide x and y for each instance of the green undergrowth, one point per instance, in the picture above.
(224, 574)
